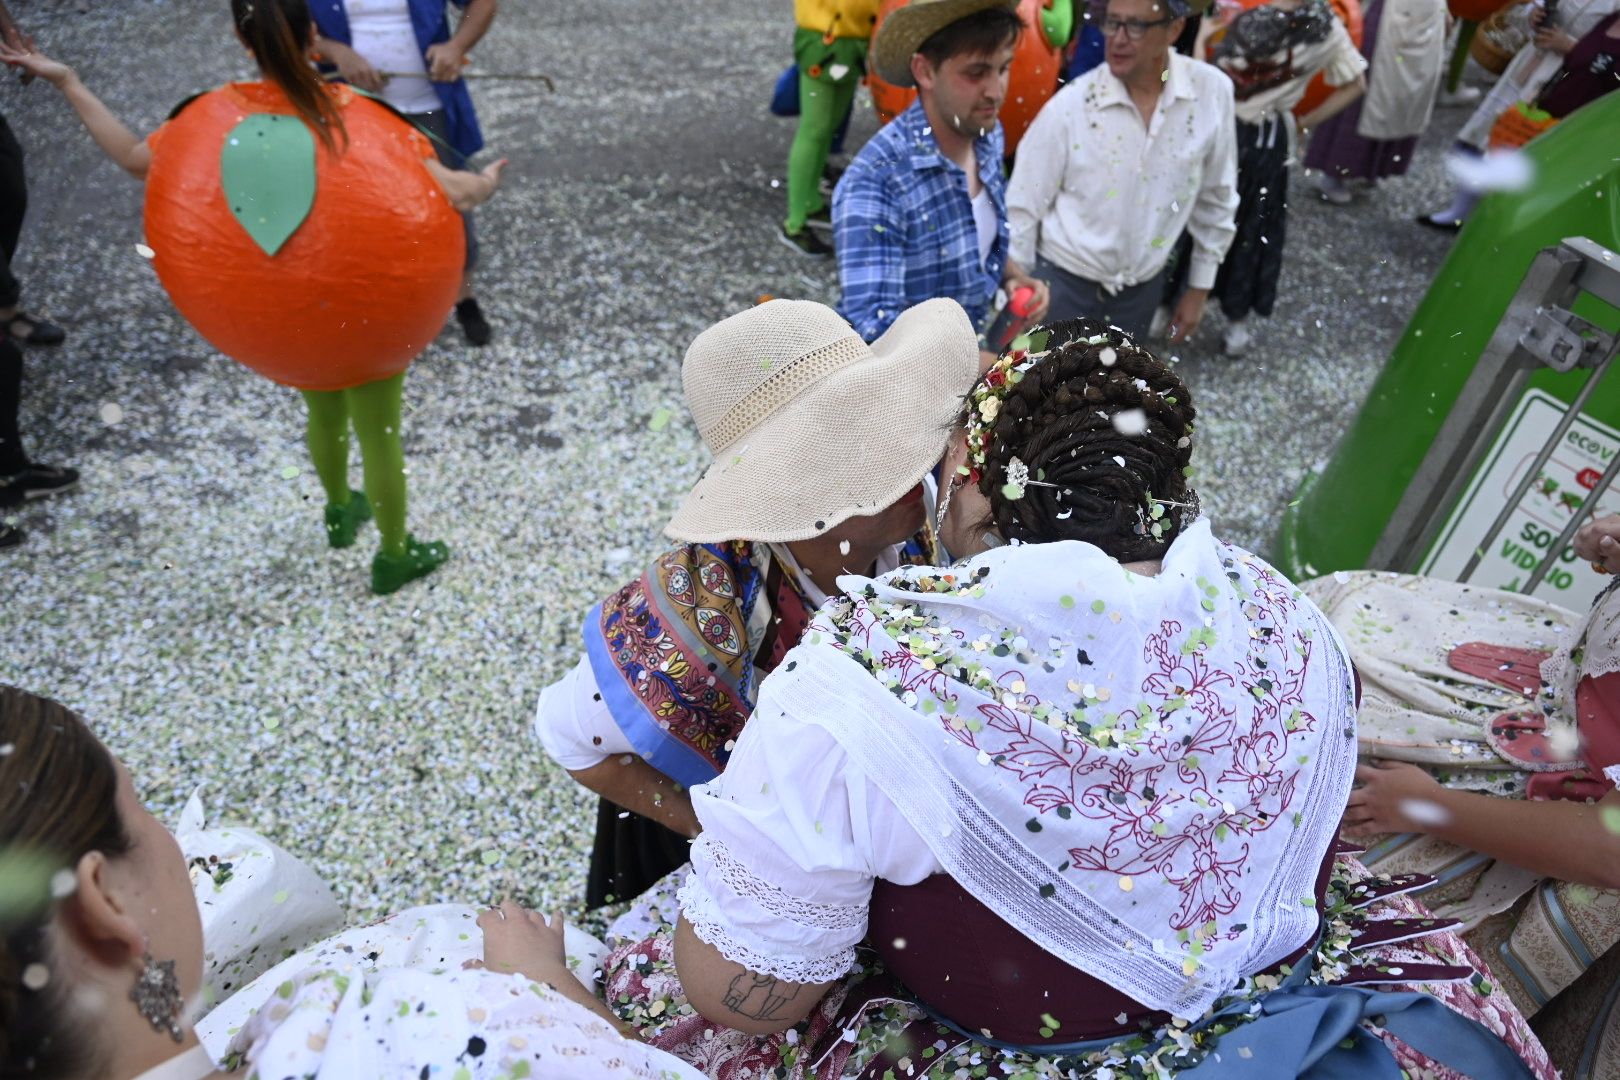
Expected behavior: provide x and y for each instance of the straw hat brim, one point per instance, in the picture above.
(905, 29)
(849, 444)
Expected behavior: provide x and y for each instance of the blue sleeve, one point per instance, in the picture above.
(869, 234)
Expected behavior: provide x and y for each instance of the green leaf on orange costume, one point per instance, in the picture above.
(267, 166)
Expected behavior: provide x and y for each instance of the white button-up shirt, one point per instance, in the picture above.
(1101, 195)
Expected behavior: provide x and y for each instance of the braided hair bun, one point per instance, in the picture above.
(1104, 429)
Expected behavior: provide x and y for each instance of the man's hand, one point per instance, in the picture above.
(1553, 40)
(445, 61)
(1188, 314)
(355, 69)
(1598, 542)
(1043, 295)
(1394, 797)
(522, 941)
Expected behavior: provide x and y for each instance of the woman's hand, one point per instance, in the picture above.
(517, 940)
(1393, 797)
(1553, 40)
(1598, 542)
(355, 69)
(466, 190)
(35, 63)
(492, 173)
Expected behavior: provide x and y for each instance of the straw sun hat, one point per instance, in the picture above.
(809, 425)
(905, 29)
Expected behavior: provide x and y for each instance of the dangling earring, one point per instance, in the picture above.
(945, 503)
(156, 995)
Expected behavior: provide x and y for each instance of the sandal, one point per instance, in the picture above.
(39, 332)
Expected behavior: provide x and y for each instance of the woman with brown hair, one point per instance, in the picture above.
(101, 952)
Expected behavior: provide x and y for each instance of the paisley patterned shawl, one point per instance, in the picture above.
(677, 653)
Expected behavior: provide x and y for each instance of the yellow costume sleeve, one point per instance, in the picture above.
(839, 18)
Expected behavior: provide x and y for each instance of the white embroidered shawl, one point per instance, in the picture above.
(1142, 775)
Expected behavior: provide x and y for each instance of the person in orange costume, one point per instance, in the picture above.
(272, 316)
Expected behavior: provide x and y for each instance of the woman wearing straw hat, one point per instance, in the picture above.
(922, 210)
(823, 452)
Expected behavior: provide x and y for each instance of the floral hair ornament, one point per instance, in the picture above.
(984, 405)
(984, 402)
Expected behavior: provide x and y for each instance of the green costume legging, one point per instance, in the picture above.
(374, 409)
(823, 101)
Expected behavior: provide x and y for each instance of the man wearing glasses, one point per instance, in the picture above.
(1117, 165)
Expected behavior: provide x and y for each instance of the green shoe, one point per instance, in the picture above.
(342, 522)
(389, 572)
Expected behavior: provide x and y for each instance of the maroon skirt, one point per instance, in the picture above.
(1337, 150)
(968, 965)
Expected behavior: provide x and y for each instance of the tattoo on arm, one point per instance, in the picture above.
(759, 997)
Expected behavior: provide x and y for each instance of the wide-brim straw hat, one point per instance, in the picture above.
(905, 29)
(809, 425)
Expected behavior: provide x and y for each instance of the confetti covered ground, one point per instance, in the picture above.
(185, 600)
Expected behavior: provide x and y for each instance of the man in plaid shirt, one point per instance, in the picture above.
(922, 211)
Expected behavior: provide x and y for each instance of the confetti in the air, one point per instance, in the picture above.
(1130, 422)
(1496, 170)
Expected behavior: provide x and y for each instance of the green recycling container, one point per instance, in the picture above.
(1340, 512)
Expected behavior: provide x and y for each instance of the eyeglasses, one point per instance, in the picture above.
(1134, 29)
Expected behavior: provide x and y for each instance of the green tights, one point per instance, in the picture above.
(823, 101)
(374, 409)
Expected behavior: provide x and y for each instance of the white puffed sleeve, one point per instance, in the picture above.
(574, 724)
(793, 837)
(1346, 62)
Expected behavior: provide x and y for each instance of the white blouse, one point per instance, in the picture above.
(344, 1023)
(381, 32)
(793, 837)
(1335, 56)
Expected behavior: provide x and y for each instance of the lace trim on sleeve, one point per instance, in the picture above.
(744, 882)
(707, 919)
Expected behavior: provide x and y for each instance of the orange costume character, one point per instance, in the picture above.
(311, 234)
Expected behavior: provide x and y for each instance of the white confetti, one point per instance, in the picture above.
(1424, 812)
(63, 884)
(1130, 422)
(1497, 170)
(112, 413)
(145, 252)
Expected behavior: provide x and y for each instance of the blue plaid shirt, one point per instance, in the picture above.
(903, 224)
